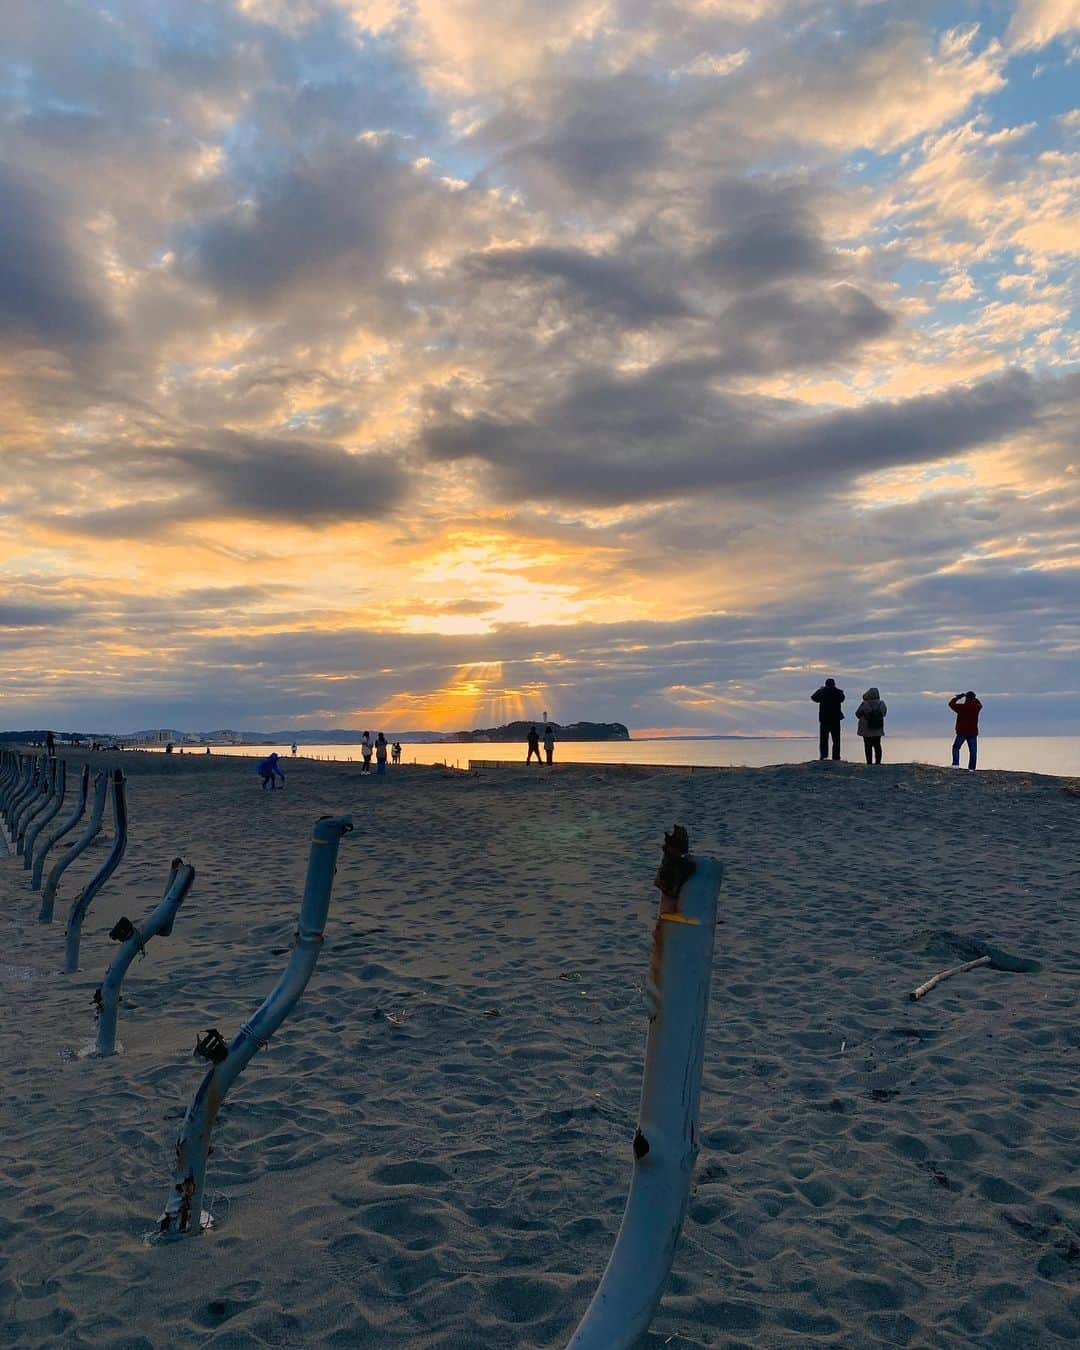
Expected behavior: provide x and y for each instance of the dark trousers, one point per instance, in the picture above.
(533, 750)
(872, 746)
(827, 730)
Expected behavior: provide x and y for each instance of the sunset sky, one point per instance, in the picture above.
(432, 363)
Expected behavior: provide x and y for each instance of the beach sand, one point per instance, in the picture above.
(874, 1172)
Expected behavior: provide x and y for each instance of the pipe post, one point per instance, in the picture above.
(52, 809)
(159, 921)
(666, 1141)
(82, 903)
(16, 785)
(25, 795)
(31, 803)
(93, 828)
(183, 1208)
(58, 831)
(8, 775)
(37, 804)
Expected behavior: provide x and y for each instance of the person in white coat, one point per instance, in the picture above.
(871, 714)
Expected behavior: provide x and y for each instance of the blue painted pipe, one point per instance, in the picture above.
(93, 826)
(183, 1209)
(160, 920)
(31, 801)
(666, 1141)
(89, 834)
(97, 881)
(10, 765)
(17, 784)
(33, 804)
(58, 832)
(58, 780)
(30, 810)
(26, 792)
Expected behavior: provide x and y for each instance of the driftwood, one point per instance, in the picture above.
(916, 994)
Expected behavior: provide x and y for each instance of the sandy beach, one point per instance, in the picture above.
(435, 1149)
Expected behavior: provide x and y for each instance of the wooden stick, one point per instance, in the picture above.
(945, 974)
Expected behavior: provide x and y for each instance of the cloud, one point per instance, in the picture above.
(666, 434)
(45, 297)
(607, 284)
(1038, 22)
(262, 481)
(335, 220)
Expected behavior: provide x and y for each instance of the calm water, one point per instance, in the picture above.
(1035, 754)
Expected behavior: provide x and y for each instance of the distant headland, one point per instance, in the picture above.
(517, 731)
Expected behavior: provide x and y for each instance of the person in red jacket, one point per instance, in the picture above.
(967, 708)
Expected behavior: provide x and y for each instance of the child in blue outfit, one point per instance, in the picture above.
(270, 771)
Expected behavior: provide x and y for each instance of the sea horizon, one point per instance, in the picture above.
(1058, 756)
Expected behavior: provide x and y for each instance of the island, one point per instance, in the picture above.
(518, 731)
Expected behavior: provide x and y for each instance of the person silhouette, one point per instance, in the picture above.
(534, 746)
(871, 714)
(829, 698)
(967, 708)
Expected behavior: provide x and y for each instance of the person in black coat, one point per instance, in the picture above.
(829, 698)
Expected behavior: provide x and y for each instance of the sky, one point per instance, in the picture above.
(427, 364)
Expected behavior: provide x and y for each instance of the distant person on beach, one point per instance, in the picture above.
(967, 708)
(292, 748)
(50, 745)
(270, 771)
(365, 751)
(871, 714)
(534, 746)
(829, 698)
(395, 753)
(549, 743)
(380, 753)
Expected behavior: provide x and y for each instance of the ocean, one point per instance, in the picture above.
(1059, 755)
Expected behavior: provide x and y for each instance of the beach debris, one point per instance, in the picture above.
(933, 983)
(85, 898)
(159, 922)
(184, 1207)
(211, 1046)
(665, 1142)
(93, 825)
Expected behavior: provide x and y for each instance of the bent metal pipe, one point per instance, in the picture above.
(51, 810)
(159, 921)
(19, 788)
(183, 1209)
(93, 826)
(34, 808)
(83, 901)
(25, 795)
(58, 832)
(666, 1142)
